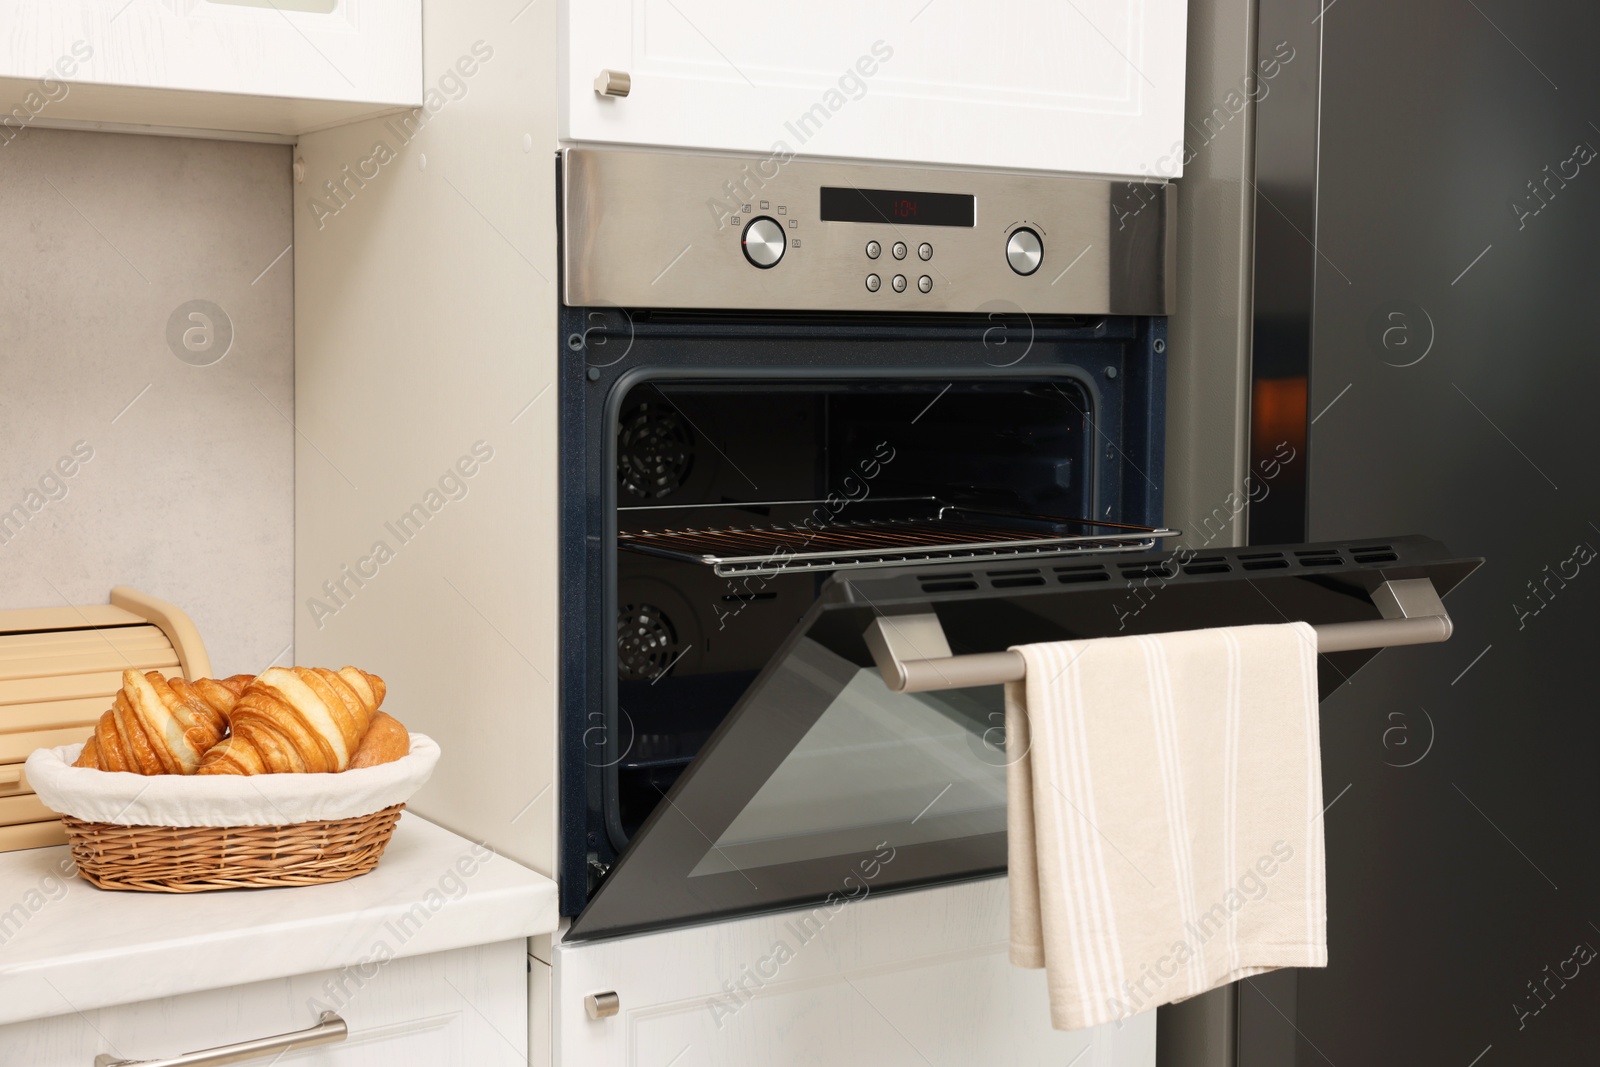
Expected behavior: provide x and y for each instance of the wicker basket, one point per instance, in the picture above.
(170, 833)
(193, 859)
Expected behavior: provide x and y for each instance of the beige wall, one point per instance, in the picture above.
(426, 317)
(189, 493)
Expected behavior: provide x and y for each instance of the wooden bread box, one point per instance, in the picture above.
(59, 670)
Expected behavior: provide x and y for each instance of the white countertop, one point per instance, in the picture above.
(67, 946)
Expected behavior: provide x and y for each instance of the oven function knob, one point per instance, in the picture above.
(873, 283)
(925, 251)
(764, 242)
(1024, 251)
(899, 250)
(925, 284)
(899, 283)
(874, 250)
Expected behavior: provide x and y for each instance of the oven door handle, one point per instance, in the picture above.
(914, 656)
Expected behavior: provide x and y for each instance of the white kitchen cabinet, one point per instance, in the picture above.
(463, 1008)
(1094, 86)
(265, 67)
(540, 1048)
(913, 979)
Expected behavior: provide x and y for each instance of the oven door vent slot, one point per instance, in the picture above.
(953, 586)
(1015, 579)
(1161, 570)
(1082, 572)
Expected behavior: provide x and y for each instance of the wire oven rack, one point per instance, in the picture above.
(880, 533)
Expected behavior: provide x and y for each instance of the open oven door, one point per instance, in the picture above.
(827, 780)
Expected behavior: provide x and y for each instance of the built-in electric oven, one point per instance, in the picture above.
(798, 398)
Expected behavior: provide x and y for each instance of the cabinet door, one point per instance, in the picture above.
(911, 979)
(1093, 86)
(321, 50)
(465, 1008)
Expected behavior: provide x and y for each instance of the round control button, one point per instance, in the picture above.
(899, 250)
(925, 251)
(873, 283)
(925, 283)
(764, 242)
(874, 250)
(899, 283)
(1024, 251)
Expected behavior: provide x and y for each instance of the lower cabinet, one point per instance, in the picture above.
(912, 979)
(463, 1008)
(540, 1049)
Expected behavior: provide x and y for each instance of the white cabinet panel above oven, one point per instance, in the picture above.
(1094, 86)
(262, 68)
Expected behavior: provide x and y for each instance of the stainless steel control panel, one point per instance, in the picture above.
(681, 230)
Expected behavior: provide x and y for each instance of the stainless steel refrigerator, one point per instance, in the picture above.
(1427, 268)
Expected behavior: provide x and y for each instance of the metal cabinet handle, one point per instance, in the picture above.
(601, 1005)
(329, 1030)
(613, 83)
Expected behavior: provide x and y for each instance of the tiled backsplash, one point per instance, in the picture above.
(147, 380)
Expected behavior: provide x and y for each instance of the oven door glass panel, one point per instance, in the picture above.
(877, 770)
(819, 781)
(822, 786)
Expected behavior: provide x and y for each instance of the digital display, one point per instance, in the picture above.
(900, 208)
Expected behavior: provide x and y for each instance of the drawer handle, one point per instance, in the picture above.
(329, 1030)
(11, 777)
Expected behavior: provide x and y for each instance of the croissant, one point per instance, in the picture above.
(386, 741)
(297, 719)
(159, 725)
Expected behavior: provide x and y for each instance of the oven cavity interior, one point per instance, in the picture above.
(737, 498)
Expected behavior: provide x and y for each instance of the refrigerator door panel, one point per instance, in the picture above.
(1457, 209)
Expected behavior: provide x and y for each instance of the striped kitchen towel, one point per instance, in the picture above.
(1165, 815)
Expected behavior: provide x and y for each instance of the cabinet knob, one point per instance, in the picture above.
(601, 1005)
(613, 83)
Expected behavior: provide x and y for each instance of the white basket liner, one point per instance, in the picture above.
(224, 799)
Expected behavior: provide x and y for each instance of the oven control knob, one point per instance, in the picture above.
(764, 242)
(1024, 251)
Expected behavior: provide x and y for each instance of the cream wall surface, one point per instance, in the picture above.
(147, 380)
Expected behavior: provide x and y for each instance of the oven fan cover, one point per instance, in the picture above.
(658, 630)
(655, 451)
